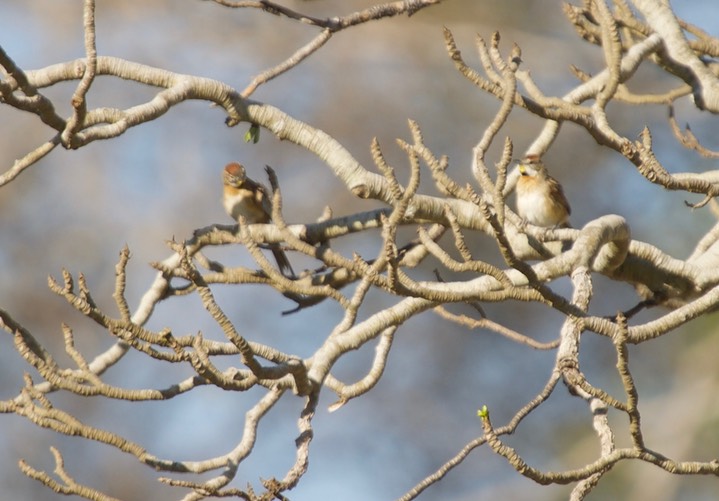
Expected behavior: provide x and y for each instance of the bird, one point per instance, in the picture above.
(244, 197)
(540, 197)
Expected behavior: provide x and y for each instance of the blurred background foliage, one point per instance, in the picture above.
(76, 209)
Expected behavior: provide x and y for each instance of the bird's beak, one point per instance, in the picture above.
(230, 180)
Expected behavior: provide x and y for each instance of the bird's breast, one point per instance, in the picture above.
(243, 203)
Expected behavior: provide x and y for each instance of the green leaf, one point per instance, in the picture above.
(253, 134)
(483, 412)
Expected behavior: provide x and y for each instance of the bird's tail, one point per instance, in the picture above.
(566, 245)
(283, 262)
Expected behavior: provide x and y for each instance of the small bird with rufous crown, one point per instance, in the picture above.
(241, 196)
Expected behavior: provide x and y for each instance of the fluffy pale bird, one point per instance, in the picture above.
(540, 197)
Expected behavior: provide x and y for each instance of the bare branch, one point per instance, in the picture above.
(79, 102)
